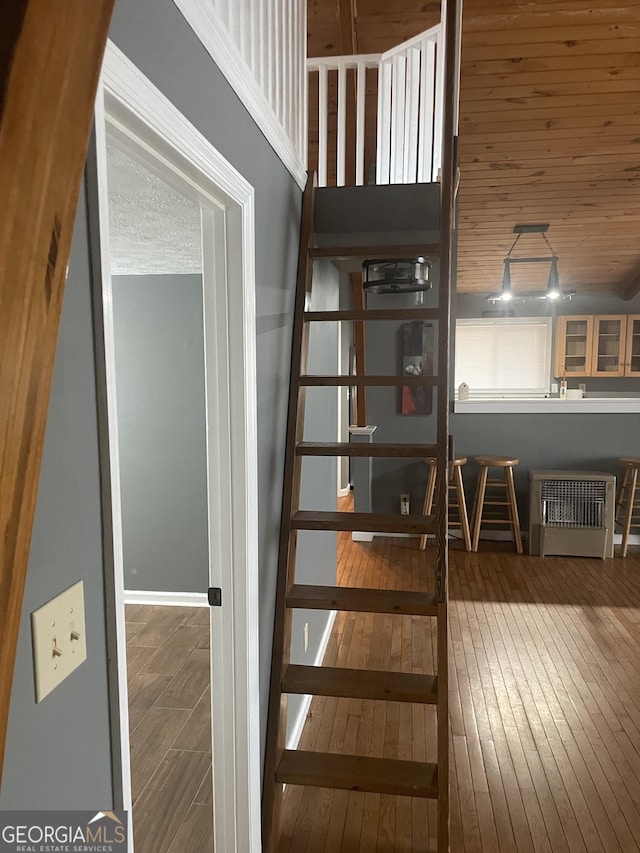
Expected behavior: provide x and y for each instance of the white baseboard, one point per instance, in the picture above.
(634, 539)
(301, 719)
(399, 535)
(359, 536)
(170, 599)
(505, 536)
(343, 493)
(492, 535)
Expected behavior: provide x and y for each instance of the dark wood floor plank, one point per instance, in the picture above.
(204, 796)
(154, 730)
(195, 833)
(185, 688)
(166, 800)
(132, 629)
(161, 623)
(137, 656)
(149, 742)
(196, 733)
(544, 704)
(171, 654)
(144, 689)
(139, 612)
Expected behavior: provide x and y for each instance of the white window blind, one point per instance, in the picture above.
(505, 357)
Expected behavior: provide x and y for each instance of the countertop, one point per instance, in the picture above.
(549, 405)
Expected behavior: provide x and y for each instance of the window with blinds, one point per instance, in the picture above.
(504, 357)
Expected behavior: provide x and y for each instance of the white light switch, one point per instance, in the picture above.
(59, 641)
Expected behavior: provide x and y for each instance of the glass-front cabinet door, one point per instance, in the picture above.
(609, 338)
(632, 357)
(574, 339)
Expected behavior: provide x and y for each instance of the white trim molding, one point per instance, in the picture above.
(166, 599)
(301, 718)
(262, 89)
(360, 536)
(133, 106)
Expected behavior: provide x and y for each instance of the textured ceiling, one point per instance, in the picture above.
(154, 228)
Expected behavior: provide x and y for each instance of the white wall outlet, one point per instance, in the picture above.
(305, 636)
(59, 640)
(404, 504)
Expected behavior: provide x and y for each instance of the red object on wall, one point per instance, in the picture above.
(417, 360)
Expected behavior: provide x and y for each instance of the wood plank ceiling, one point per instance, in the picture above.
(549, 128)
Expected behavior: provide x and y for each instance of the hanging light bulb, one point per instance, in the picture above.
(505, 293)
(553, 286)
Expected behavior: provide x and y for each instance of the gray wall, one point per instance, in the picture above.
(317, 551)
(155, 36)
(391, 478)
(159, 350)
(67, 736)
(58, 752)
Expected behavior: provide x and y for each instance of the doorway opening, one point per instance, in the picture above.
(177, 325)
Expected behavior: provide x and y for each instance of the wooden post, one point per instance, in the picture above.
(50, 58)
(359, 342)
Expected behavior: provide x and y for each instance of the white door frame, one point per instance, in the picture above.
(129, 98)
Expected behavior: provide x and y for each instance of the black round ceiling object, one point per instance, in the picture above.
(396, 275)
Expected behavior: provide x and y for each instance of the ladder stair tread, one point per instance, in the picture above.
(358, 773)
(368, 522)
(361, 684)
(347, 448)
(373, 314)
(386, 250)
(346, 379)
(362, 600)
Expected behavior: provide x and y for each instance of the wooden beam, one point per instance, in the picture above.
(632, 289)
(349, 36)
(50, 58)
(349, 41)
(359, 343)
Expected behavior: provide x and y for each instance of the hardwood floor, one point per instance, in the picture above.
(170, 728)
(545, 706)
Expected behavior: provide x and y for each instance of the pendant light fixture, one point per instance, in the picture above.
(553, 293)
(396, 275)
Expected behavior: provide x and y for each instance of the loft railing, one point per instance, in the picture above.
(409, 82)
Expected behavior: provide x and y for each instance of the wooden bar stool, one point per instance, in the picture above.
(458, 503)
(506, 463)
(628, 499)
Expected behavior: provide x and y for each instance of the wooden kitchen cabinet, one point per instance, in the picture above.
(609, 345)
(573, 346)
(632, 356)
(600, 345)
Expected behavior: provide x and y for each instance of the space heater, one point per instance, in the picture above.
(571, 513)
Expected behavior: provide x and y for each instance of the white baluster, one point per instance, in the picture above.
(342, 125)
(361, 91)
(397, 118)
(287, 67)
(437, 120)
(412, 101)
(384, 123)
(322, 126)
(427, 90)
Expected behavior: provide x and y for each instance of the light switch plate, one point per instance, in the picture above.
(59, 639)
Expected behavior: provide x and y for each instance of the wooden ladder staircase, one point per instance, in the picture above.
(416, 779)
(331, 770)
